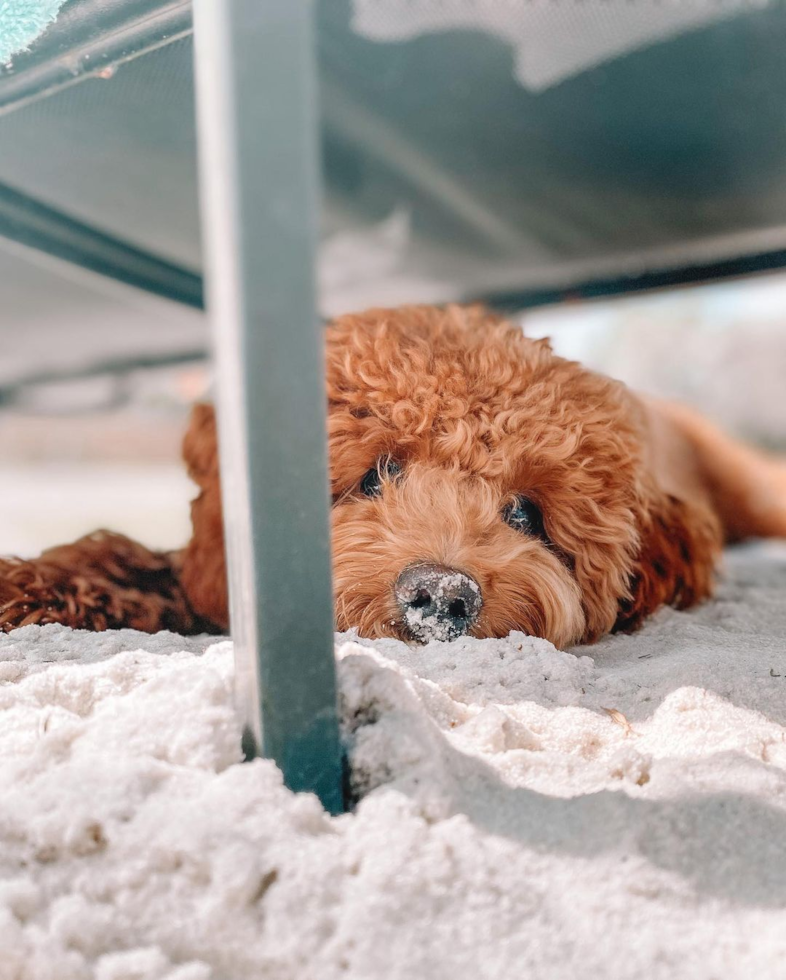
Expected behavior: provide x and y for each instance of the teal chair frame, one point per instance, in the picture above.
(259, 160)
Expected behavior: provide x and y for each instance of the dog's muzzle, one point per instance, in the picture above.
(437, 603)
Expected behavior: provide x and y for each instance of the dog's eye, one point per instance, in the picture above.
(386, 469)
(524, 516)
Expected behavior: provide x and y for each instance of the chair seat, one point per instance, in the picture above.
(463, 155)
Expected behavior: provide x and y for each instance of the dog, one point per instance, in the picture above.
(480, 484)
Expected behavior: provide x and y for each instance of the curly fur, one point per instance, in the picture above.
(103, 581)
(637, 497)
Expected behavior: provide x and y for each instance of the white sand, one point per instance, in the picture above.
(526, 814)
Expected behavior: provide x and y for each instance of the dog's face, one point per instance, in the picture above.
(480, 483)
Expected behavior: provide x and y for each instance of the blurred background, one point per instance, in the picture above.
(97, 446)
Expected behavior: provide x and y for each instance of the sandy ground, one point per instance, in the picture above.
(618, 811)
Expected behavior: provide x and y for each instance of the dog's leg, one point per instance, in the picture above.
(103, 581)
(747, 487)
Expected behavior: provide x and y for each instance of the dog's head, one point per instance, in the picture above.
(480, 483)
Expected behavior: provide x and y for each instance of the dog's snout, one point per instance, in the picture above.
(438, 603)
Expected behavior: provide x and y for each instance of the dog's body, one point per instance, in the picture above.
(480, 484)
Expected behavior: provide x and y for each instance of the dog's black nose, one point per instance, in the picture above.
(438, 603)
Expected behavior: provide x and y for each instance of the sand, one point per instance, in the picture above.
(521, 812)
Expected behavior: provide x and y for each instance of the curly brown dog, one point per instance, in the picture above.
(480, 484)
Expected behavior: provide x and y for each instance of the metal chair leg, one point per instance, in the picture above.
(259, 162)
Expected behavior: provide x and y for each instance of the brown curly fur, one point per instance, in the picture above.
(637, 497)
(103, 581)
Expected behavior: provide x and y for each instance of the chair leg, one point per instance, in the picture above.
(259, 163)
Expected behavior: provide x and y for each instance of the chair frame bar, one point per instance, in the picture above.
(259, 172)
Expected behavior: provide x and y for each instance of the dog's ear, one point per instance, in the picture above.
(202, 563)
(200, 445)
(675, 566)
